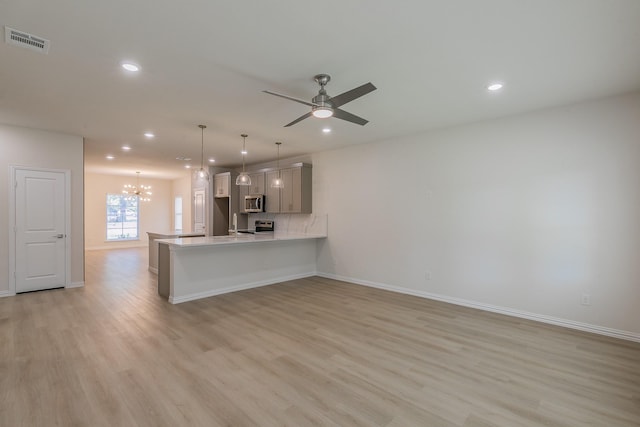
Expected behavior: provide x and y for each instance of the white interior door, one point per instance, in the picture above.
(199, 211)
(40, 230)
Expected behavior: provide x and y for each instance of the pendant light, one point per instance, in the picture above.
(243, 178)
(202, 173)
(277, 182)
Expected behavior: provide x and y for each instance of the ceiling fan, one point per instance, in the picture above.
(324, 106)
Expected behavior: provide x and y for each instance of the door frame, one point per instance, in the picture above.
(12, 221)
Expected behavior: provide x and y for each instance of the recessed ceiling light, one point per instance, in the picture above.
(130, 66)
(212, 160)
(495, 86)
(126, 148)
(244, 152)
(326, 130)
(187, 166)
(149, 135)
(109, 157)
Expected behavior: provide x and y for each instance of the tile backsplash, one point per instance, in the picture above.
(294, 223)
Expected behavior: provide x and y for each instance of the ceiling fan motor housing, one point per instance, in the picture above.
(322, 100)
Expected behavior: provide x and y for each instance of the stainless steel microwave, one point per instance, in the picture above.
(254, 203)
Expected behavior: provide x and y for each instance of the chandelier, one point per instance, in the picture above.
(137, 191)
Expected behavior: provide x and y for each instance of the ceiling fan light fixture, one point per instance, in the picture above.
(324, 106)
(322, 112)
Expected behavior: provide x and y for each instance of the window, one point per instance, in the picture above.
(122, 217)
(177, 214)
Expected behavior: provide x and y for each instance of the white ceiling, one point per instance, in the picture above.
(208, 62)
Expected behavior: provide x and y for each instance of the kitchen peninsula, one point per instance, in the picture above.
(153, 245)
(200, 267)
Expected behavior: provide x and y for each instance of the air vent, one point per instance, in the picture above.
(26, 40)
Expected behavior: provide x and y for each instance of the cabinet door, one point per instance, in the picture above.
(272, 195)
(221, 184)
(295, 196)
(287, 193)
(243, 190)
(257, 183)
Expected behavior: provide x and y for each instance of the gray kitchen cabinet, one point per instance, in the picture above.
(295, 196)
(272, 195)
(243, 190)
(257, 183)
(221, 184)
(256, 187)
(225, 203)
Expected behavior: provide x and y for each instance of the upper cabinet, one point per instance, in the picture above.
(272, 195)
(222, 184)
(295, 196)
(257, 183)
(256, 187)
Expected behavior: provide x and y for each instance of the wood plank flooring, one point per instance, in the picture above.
(311, 352)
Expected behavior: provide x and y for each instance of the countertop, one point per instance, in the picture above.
(173, 234)
(192, 242)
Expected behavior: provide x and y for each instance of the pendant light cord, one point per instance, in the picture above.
(278, 159)
(202, 148)
(244, 148)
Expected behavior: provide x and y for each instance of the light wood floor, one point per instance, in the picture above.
(312, 352)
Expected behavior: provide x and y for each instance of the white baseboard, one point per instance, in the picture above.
(601, 330)
(75, 285)
(101, 248)
(72, 285)
(244, 286)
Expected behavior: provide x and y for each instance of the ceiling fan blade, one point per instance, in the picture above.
(299, 119)
(290, 98)
(352, 94)
(341, 114)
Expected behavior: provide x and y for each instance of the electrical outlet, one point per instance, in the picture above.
(427, 275)
(586, 299)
